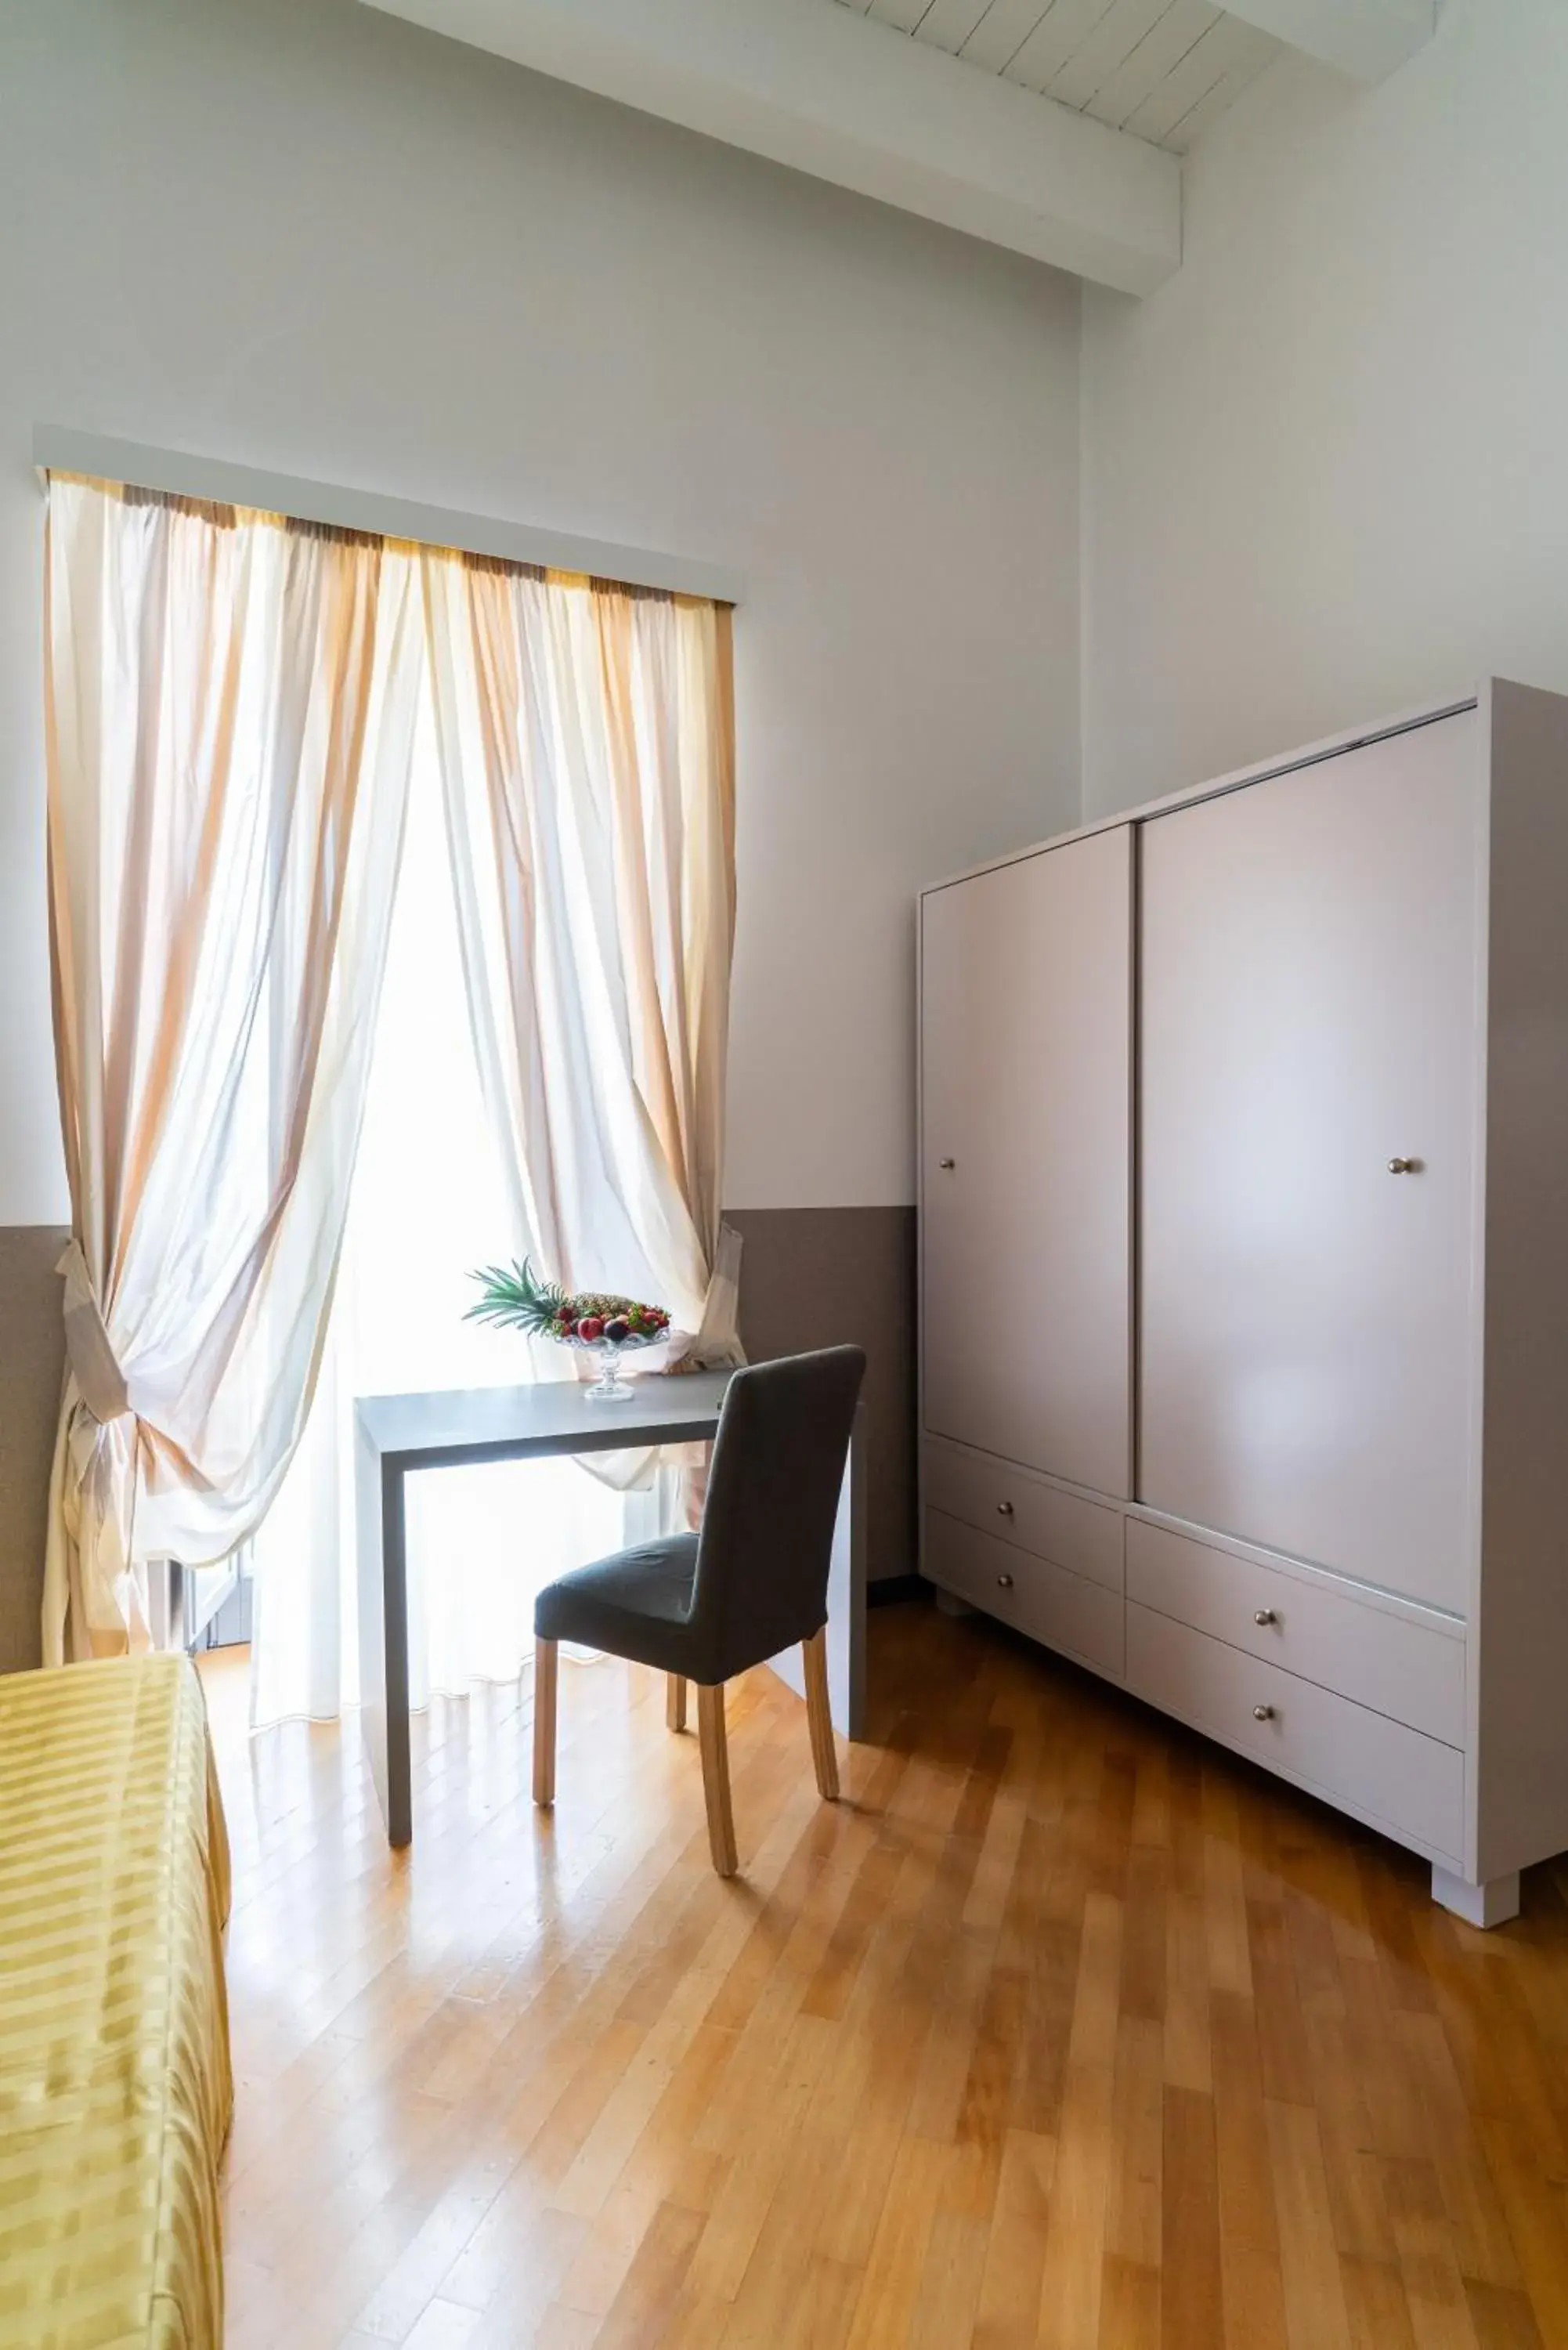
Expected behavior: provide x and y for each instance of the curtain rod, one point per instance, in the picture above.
(62, 449)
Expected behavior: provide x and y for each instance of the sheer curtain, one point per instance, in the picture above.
(430, 1200)
(548, 1080)
(229, 700)
(586, 739)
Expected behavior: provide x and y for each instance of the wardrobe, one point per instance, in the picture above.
(1243, 1187)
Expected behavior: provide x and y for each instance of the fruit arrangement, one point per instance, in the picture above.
(517, 1298)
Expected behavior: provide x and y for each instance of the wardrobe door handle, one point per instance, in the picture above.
(948, 1163)
(1262, 1713)
(1005, 1581)
(1265, 1615)
(1005, 1509)
(1403, 1166)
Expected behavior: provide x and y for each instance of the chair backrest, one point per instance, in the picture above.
(766, 1540)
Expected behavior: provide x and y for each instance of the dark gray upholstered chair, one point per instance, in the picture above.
(704, 1607)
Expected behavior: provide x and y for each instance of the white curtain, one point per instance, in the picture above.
(229, 700)
(548, 1080)
(587, 740)
(431, 1201)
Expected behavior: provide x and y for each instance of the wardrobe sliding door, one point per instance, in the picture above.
(1026, 1081)
(1309, 1055)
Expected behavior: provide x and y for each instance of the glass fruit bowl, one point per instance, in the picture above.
(609, 1387)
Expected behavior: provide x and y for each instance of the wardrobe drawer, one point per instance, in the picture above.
(1066, 1611)
(1397, 1666)
(1413, 1786)
(1017, 1508)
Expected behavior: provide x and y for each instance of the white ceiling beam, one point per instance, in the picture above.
(1367, 39)
(837, 95)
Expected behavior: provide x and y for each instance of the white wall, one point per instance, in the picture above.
(297, 234)
(1326, 467)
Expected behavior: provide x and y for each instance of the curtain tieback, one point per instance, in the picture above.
(89, 1348)
(719, 1335)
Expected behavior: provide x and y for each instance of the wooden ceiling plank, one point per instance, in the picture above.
(1119, 31)
(1227, 45)
(902, 15)
(1054, 39)
(1184, 23)
(1001, 33)
(948, 24)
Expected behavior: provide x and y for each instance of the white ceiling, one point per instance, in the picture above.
(1162, 69)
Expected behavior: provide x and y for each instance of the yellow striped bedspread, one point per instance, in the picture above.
(115, 2087)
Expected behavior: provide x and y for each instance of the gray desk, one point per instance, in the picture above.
(396, 1435)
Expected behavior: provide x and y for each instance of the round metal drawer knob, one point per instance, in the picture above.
(1005, 1509)
(1005, 1581)
(1262, 1713)
(948, 1163)
(1265, 1615)
(1402, 1166)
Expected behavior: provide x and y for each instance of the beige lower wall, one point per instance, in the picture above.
(830, 1276)
(32, 1355)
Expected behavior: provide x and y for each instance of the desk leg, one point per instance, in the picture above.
(846, 1601)
(382, 1565)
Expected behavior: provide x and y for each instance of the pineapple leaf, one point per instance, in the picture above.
(515, 1297)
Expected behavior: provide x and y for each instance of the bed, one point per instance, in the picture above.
(115, 2089)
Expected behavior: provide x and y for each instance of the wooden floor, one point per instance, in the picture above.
(1062, 2028)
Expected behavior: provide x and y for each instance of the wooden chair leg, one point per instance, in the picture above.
(546, 1659)
(819, 1716)
(716, 1777)
(675, 1700)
